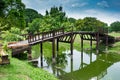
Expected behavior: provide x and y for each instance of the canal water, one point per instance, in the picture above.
(84, 66)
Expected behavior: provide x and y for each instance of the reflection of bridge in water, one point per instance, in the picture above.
(96, 69)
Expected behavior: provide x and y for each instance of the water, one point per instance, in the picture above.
(84, 66)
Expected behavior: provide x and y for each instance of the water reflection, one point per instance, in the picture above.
(82, 66)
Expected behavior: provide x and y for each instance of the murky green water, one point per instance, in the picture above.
(83, 66)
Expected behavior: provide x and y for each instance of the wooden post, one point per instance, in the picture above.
(90, 48)
(81, 50)
(81, 58)
(97, 42)
(71, 44)
(90, 42)
(29, 53)
(90, 57)
(71, 63)
(41, 54)
(5, 59)
(57, 44)
(12, 53)
(107, 41)
(53, 48)
(82, 42)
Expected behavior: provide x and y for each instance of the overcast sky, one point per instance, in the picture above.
(104, 10)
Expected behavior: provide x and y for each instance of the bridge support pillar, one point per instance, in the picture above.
(81, 43)
(71, 60)
(97, 42)
(81, 50)
(81, 58)
(90, 42)
(53, 49)
(41, 54)
(107, 42)
(29, 53)
(57, 44)
(71, 44)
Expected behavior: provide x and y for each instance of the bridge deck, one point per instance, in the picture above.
(37, 40)
(61, 36)
(34, 39)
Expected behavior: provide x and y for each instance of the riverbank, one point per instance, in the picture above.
(22, 70)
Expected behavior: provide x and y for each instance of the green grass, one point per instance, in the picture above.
(116, 46)
(21, 70)
(114, 34)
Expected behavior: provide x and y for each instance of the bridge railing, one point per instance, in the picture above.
(44, 35)
(25, 36)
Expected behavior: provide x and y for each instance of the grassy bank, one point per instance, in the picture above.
(116, 46)
(21, 70)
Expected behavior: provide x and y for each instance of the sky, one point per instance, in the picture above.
(107, 11)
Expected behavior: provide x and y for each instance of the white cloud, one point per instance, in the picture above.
(91, 11)
(103, 4)
(100, 15)
(79, 4)
(27, 2)
(107, 17)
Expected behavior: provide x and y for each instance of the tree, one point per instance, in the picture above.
(115, 26)
(89, 24)
(55, 19)
(14, 34)
(72, 20)
(34, 26)
(2, 8)
(15, 13)
(31, 14)
(47, 13)
(3, 25)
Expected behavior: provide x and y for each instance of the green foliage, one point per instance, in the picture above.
(34, 26)
(12, 35)
(72, 20)
(115, 26)
(16, 18)
(3, 24)
(30, 15)
(14, 13)
(54, 19)
(89, 24)
(14, 4)
(2, 8)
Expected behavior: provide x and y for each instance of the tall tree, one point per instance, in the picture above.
(2, 8)
(115, 26)
(90, 24)
(56, 17)
(15, 13)
(34, 26)
(31, 14)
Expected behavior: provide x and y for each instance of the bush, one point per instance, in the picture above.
(115, 26)
(14, 34)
